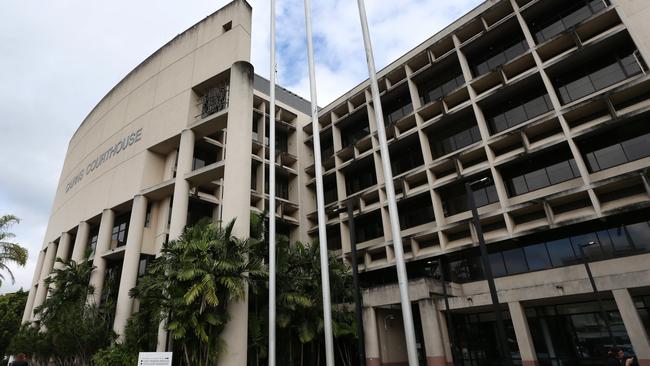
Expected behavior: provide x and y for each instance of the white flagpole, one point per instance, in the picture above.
(272, 249)
(322, 234)
(402, 278)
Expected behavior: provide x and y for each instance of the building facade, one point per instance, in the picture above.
(549, 99)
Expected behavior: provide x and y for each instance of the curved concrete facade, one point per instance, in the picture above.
(157, 101)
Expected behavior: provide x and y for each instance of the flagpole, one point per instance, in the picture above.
(272, 249)
(402, 278)
(322, 236)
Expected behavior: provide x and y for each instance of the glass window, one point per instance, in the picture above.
(515, 261)
(587, 77)
(497, 265)
(639, 234)
(537, 257)
(561, 252)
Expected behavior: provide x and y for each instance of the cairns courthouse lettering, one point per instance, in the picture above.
(115, 149)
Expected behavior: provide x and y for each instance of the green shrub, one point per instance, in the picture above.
(115, 355)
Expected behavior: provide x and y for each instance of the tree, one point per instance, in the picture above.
(299, 307)
(11, 311)
(69, 329)
(191, 285)
(9, 252)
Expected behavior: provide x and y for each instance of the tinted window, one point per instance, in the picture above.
(537, 257)
(515, 261)
(561, 252)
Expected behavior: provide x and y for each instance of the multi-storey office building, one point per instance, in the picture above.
(548, 98)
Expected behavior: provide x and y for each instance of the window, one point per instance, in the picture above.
(281, 185)
(438, 84)
(562, 17)
(368, 227)
(539, 172)
(405, 157)
(591, 74)
(360, 176)
(92, 242)
(499, 53)
(333, 237)
(353, 132)
(537, 257)
(617, 146)
(396, 107)
(329, 189)
(454, 197)
(415, 211)
(147, 217)
(559, 250)
(454, 135)
(120, 231)
(519, 108)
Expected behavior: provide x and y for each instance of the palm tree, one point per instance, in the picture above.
(10, 252)
(192, 284)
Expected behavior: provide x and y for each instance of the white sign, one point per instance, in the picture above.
(155, 359)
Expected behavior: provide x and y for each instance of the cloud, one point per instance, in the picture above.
(59, 58)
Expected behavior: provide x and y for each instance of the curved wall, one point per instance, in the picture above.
(108, 161)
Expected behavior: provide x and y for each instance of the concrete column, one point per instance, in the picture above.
(180, 205)
(373, 357)
(431, 330)
(63, 249)
(236, 197)
(130, 264)
(633, 325)
(161, 223)
(103, 244)
(48, 263)
(524, 339)
(81, 242)
(29, 307)
(182, 186)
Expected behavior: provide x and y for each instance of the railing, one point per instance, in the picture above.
(611, 74)
(214, 100)
(569, 18)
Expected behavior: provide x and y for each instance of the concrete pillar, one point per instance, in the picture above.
(29, 307)
(103, 244)
(130, 264)
(182, 186)
(81, 242)
(522, 332)
(46, 268)
(63, 249)
(431, 330)
(180, 205)
(236, 197)
(373, 357)
(633, 325)
(163, 208)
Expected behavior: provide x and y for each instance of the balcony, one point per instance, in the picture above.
(539, 171)
(547, 19)
(516, 105)
(596, 68)
(496, 48)
(452, 133)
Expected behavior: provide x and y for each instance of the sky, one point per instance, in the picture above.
(59, 58)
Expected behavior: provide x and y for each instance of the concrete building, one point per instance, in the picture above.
(548, 98)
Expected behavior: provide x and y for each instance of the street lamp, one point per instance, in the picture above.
(487, 268)
(358, 300)
(595, 290)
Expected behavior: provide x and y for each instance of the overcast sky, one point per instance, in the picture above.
(59, 58)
